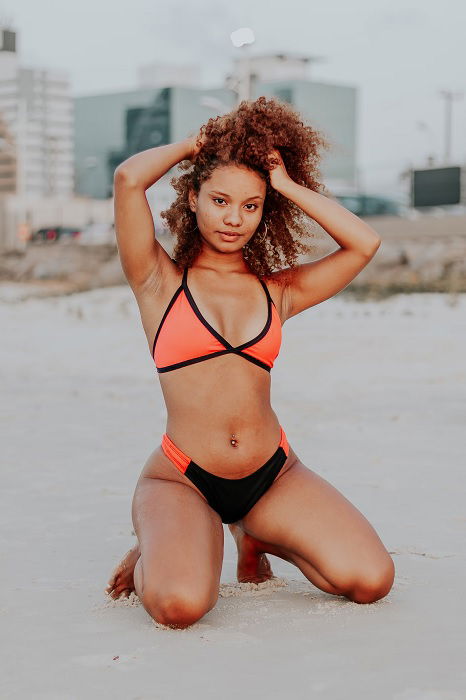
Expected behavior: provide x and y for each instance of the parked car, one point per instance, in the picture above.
(54, 233)
(369, 205)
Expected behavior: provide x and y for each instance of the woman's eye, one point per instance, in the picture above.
(251, 204)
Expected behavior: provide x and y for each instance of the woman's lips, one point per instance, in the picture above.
(229, 236)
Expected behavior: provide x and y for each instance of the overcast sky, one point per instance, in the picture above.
(398, 53)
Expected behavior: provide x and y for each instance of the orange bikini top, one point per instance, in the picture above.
(185, 337)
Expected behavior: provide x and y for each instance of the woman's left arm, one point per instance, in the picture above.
(319, 280)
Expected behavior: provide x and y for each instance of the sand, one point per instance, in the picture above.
(371, 396)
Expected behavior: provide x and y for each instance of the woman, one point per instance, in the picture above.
(213, 325)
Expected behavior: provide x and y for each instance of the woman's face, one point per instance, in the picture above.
(231, 201)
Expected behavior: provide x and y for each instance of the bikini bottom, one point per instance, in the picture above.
(232, 499)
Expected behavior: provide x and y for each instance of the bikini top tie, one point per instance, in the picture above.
(184, 336)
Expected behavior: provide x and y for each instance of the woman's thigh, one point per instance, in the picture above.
(177, 576)
(326, 536)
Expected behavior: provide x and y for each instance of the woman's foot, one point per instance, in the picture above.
(121, 580)
(253, 566)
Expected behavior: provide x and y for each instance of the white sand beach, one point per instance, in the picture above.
(372, 396)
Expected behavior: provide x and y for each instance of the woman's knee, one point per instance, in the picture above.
(373, 584)
(176, 608)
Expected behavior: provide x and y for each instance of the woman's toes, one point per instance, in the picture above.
(121, 578)
(121, 591)
(112, 586)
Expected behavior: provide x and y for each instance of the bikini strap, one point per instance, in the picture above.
(266, 290)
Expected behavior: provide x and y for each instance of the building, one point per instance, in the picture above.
(110, 128)
(330, 108)
(37, 109)
(8, 164)
(266, 67)
(157, 75)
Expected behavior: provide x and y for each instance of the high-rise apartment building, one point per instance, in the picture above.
(36, 109)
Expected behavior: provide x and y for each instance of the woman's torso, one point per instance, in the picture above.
(208, 401)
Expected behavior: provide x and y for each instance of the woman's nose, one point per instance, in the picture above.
(233, 218)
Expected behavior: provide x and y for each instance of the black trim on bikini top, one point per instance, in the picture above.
(228, 347)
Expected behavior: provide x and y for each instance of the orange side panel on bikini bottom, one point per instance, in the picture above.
(177, 456)
(284, 442)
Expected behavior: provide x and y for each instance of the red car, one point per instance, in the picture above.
(53, 233)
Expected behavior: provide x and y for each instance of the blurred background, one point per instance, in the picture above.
(83, 87)
(370, 386)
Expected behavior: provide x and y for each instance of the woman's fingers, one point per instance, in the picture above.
(275, 158)
(199, 141)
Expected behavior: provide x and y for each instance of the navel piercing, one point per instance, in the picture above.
(234, 441)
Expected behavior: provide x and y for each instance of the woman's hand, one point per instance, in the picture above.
(277, 172)
(195, 143)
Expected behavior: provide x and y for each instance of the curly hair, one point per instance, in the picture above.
(244, 137)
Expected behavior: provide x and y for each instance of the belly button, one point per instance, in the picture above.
(234, 441)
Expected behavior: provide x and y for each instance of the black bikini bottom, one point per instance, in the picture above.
(232, 499)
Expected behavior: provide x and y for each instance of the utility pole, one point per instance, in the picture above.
(449, 96)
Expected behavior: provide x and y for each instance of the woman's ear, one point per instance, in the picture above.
(192, 200)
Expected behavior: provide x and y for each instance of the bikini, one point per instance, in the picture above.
(185, 337)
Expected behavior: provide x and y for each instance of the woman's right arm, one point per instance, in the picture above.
(142, 257)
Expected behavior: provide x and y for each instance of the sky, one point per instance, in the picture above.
(399, 54)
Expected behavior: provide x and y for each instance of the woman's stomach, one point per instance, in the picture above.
(222, 419)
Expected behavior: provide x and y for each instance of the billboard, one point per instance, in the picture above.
(436, 187)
